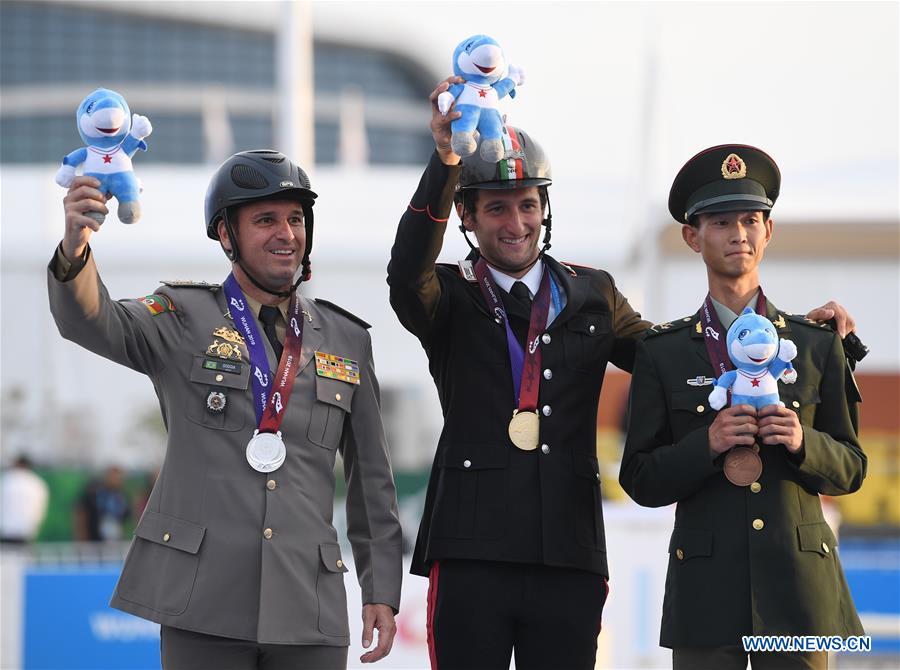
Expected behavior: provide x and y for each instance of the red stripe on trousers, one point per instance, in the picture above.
(432, 601)
(605, 599)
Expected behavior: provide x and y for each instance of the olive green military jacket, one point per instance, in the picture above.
(221, 548)
(757, 560)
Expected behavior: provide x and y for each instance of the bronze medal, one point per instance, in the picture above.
(743, 466)
(524, 429)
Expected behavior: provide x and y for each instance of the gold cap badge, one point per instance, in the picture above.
(733, 167)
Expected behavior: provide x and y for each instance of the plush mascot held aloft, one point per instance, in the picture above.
(112, 137)
(480, 61)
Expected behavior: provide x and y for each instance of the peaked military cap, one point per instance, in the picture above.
(725, 178)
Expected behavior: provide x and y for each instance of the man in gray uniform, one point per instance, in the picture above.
(236, 556)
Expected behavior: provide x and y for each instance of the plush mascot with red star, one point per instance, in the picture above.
(112, 137)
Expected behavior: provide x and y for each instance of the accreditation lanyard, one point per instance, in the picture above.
(714, 334)
(269, 408)
(525, 365)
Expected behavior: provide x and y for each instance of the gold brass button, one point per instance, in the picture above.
(756, 487)
(166, 537)
(825, 548)
(337, 396)
(219, 378)
(700, 408)
(679, 554)
(267, 533)
(339, 563)
(271, 484)
(758, 524)
(796, 404)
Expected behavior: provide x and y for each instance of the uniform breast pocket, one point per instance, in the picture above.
(326, 419)
(690, 409)
(802, 399)
(216, 394)
(587, 341)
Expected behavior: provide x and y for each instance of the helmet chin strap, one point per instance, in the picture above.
(548, 225)
(262, 287)
(235, 257)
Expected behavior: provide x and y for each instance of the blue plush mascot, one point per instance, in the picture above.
(760, 359)
(112, 137)
(480, 61)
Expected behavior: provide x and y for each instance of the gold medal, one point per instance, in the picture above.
(742, 466)
(524, 429)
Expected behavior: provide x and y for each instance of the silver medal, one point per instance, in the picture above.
(266, 451)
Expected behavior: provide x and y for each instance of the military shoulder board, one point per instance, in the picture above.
(178, 283)
(669, 326)
(344, 312)
(467, 270)
(801, 318)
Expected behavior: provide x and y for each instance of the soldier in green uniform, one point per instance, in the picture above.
(751, 553)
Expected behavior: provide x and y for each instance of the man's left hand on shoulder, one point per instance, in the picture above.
(779, 425)
(381, 618)
(832, 310)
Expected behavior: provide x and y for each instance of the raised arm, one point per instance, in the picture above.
(415, 289)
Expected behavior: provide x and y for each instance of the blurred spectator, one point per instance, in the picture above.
(103, 509)
(23, 502)
(142, 497)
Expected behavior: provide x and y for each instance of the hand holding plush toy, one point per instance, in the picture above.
(480, 61)
(112, 137)
(760, 359)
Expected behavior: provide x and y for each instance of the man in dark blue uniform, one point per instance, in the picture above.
(512, 535)
(751, 553)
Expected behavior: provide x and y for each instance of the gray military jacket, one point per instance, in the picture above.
(221, 548)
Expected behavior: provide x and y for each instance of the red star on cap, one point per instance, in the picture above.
(107, 158)
(734, 165)
(482, 94)
(754, 383)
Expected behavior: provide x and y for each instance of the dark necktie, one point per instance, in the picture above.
(520, 292)
(267, 315)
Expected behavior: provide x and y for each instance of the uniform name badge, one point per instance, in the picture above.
(266, 451)
(524, 429)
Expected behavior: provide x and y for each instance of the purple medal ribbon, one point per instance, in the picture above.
(261, 378)
(517, 358)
